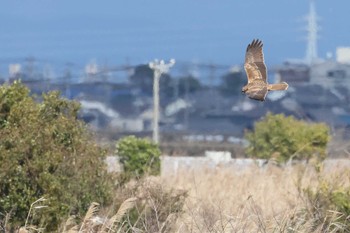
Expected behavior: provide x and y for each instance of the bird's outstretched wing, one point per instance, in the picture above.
(254, 61)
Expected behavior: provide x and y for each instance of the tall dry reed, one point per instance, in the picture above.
(256, 200)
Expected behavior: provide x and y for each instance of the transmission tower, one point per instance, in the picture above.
(312, 35)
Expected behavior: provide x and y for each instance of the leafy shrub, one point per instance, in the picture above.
(281, 137)
(45, 151)
(328, 204)
(138, 157)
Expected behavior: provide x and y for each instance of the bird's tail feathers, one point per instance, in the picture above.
(278, 86)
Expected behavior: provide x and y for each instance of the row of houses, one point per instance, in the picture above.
(318, 93)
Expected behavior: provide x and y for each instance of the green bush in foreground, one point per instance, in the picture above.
(281, 137)
(45, 151)
(328, 203)
(138, 156)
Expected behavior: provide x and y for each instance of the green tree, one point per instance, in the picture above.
(138, 156)
(232, 83)
(143, 79)
(45, 151)
(281, 137)
(188, 84)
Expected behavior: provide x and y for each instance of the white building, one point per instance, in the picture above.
(343, 55)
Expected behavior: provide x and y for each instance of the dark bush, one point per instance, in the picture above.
(327, 204)
(45, 151)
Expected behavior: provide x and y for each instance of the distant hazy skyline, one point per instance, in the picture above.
(206, 31)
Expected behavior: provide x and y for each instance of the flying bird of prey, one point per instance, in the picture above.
(255, 68)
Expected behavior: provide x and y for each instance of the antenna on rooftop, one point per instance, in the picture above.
(312, 31)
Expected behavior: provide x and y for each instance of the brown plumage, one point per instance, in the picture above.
(255, 68)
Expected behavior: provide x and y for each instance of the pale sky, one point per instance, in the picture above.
(140, 30)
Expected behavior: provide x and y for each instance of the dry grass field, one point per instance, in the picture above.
(268, 199)
(258, 200)
(271, 199)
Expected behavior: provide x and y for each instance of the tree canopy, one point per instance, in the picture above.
(232, 83)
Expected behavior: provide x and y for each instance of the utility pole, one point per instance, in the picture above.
(159, 68)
